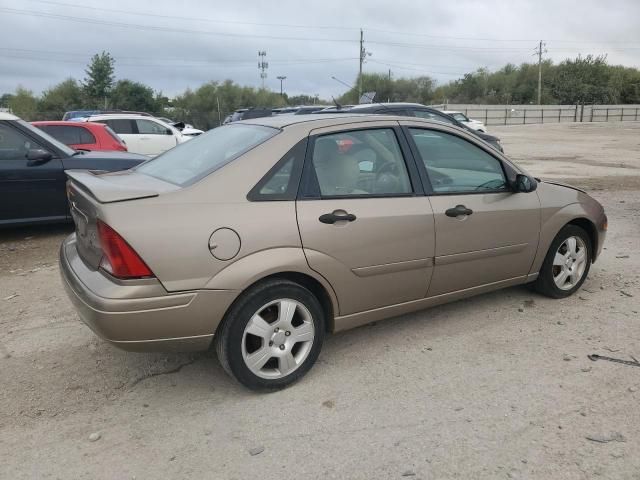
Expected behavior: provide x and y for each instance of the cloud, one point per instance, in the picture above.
(173, 45)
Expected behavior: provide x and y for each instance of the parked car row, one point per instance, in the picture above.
(135, 132)
(41, 155)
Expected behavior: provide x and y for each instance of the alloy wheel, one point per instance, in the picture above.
(278, 338)
(569, 263)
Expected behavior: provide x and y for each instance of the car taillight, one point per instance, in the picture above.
(119, 259)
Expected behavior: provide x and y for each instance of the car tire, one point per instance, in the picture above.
(257, 326)
(563, 272)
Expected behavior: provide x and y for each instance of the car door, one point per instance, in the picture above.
(364, 222)
(29, 190)
(154, 137)
(485, 232)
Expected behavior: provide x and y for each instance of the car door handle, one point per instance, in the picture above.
(457, 211)
(333, 218)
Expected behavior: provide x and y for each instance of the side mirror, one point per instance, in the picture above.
(525, 184)
(168, 131)
(38, 155)
(179, 125)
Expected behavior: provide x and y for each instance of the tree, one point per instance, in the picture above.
(65, 96)
(200, 107)
(5, 99)
(130, 95)
(419, 89)
(99, 80)
(24, 104)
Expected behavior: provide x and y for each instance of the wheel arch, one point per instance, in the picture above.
(589, 227)
(286, 263)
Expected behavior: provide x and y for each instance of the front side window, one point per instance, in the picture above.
(149, 127)
(206, 153)
(13, 144)
(456, 165)
(360, 162)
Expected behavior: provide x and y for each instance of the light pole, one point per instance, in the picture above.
(282, 79)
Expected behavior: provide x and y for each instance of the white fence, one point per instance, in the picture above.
(526, 114)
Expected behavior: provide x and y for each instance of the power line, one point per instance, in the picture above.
(311, 26)
(394, 65)
(199, 64)
(136, 26)
(196, 19)
(204, 61)
(94, 21)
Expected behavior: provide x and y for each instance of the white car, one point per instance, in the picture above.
(462, 118)
(185, 128)
(142, 134)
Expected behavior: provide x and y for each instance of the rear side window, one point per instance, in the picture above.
(281, 183)
(86, 136)
(121, 126)
(206, 153)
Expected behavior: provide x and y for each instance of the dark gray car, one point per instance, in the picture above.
(32, 172)
(421, 111)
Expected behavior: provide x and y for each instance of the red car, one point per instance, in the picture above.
(83, 135)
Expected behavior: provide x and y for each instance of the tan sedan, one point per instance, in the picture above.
(263, 235)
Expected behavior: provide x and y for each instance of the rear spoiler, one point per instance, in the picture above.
(105, 191)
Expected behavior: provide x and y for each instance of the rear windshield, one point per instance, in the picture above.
(197, 158)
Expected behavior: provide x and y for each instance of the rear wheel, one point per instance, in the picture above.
(567, 263)
(272, 335)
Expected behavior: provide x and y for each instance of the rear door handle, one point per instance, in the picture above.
(458, 211)
(333, 218)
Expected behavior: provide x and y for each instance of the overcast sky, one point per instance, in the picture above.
(173, 45)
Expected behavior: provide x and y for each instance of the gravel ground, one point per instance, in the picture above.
(497, 386)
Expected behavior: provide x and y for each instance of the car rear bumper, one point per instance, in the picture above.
(140, 315)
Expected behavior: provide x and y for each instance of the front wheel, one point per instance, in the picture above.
(272, 335)
(567, 263)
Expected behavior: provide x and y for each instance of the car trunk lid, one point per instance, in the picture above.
(89, 193)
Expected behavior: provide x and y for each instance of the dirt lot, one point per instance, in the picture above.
(497, 386)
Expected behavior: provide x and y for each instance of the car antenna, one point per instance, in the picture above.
(364, 94)
(338, 106)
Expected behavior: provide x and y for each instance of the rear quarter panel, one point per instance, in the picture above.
(171, 232)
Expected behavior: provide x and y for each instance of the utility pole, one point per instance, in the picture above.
(282, 79)
(363, 54)
(361, 61)
(262, 65)
(539, 51)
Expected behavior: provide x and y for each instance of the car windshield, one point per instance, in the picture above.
(197, 158)
(68, 151)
